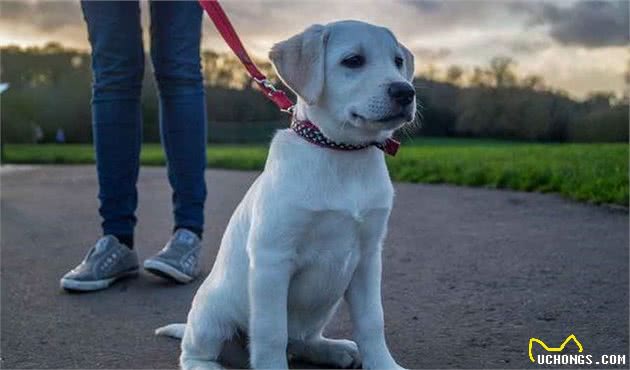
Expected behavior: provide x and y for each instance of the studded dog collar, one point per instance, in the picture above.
(311, 133)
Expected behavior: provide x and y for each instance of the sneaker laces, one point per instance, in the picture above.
(184, 236)
(99, 247)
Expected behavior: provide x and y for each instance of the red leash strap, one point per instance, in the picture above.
(225, 28)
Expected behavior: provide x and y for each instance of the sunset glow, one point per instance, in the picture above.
(575, 46)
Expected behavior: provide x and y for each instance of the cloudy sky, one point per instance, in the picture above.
(579, 46)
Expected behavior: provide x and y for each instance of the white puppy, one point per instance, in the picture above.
(309, 231)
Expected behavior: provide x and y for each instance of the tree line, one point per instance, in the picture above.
(50, 90)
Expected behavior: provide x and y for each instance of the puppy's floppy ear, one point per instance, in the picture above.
(299, 62)
(409, 62)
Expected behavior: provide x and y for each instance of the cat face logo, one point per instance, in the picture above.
(553, 349)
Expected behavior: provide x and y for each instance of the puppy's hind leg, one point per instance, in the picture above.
(203, 341)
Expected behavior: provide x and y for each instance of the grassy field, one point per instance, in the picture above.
(595, 173)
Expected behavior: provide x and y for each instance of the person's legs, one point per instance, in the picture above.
(118, 63)
(175, 51)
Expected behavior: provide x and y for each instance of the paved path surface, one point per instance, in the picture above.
(469, 274)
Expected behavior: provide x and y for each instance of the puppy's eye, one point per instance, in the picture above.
(354, 61)
(399, 62)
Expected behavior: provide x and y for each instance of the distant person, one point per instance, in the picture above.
(115, 35)
(60, 136)
(38, 134)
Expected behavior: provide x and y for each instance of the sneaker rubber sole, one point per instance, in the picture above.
(167, 271)
(86, 286)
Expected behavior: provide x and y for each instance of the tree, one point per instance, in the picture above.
(600, 99)
(626, 91)
(50, 89)
(431, 72)
(501, 70)
(534, 82)
(480, 77)
(454, 74)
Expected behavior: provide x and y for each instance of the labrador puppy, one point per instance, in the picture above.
(309, 231)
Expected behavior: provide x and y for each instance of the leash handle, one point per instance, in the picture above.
(225, 28)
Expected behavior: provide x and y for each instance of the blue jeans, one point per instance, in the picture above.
(118, 64)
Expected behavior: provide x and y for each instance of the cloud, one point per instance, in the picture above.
(42, 15)
(590, 24)
(579, 70)
(431, 54)
(476, 14)
(533, 46)
(578, 36)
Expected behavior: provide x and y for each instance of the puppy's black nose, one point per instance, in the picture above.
(401, 92)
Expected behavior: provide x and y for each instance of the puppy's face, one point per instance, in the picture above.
(356, 72)
(368, 77)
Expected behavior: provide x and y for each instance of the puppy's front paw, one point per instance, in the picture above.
(342, 353)
(339, 353)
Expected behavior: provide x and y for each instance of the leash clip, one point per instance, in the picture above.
(289, 110)
(266, 83)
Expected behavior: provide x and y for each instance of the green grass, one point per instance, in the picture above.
(595, 173)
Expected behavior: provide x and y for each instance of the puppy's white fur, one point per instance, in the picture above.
(309, 231)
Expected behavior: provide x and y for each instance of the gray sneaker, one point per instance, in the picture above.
(179, 259)
(106, 262)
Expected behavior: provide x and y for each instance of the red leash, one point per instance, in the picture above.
(225, 28)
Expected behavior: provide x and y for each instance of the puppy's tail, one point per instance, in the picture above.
(172, 330)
